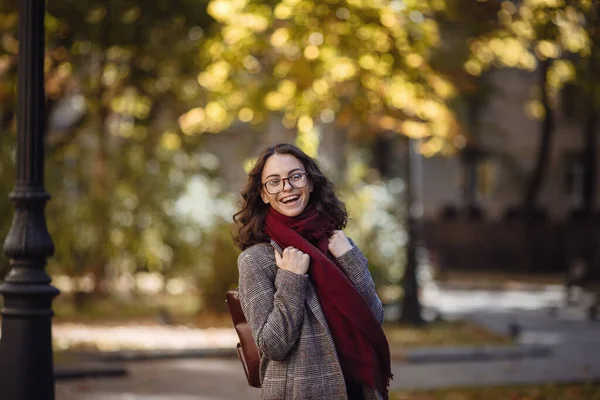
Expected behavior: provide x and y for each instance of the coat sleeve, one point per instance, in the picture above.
(356, 268)
(273, 302)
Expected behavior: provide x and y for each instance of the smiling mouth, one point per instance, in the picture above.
(290, 199)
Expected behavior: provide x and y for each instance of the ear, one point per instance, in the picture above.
(264, 197)
(310, 187)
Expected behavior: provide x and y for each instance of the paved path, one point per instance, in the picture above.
(574, 340)
(201, 379)
(575, 356)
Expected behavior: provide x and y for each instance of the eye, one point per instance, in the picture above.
(274, 182)
(296, 177)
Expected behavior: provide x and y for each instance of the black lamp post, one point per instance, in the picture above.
(26, 370)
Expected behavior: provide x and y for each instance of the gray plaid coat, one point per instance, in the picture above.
(298, 357)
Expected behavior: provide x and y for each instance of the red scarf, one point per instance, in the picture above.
(360, 342)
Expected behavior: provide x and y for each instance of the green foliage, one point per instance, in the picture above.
(364, 65)
(132, 84)
(218, 272)
(117, 75)
(565, 34)
(563, 37)
(376, 225)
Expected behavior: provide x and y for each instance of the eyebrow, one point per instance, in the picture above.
(289, 173)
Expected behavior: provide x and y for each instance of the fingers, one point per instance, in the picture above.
(338, 243)
(288, 253)
(293, 254)
(336, 233)
(335, 236)
(291, 251)
(293, 260)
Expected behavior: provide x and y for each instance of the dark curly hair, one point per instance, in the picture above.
(253, 211)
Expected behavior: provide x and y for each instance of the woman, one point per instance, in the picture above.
(305, 289)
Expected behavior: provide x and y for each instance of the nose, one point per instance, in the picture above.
(286, 183)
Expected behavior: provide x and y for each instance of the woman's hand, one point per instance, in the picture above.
(293, 260)
(339, 244)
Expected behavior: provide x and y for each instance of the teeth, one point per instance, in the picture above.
(286, 199)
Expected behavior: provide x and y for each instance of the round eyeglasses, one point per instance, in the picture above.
(297, 180)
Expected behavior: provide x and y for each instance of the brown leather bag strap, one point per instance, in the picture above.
(247, 350)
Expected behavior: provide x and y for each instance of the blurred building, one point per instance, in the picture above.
(473, 226)
(478, 226)
(509, 141)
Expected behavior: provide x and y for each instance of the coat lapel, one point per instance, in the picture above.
(312, 300)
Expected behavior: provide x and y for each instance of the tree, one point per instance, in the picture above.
(589, 81)
(545, 33)
(363, 65)
(118, 73)
(472, 92)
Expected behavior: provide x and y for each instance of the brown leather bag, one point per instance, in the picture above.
(246, 348)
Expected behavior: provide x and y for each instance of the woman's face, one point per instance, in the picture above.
(282, 179)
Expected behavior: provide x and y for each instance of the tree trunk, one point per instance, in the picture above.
(100, 198)
(589, 162)
(536, 181)
(591, 143)
(470, 158)
(530, 201)
(471, 151)
(383, 154)
(411, 305)
(99, 190)
(333, 147)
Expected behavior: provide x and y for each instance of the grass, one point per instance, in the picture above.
(181, 310)
(184, 310)
(583, 391)
(441, 333)
(65, 358)
(508, 280)
(500, 277)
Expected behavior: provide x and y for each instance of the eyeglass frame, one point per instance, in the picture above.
(289, 182)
